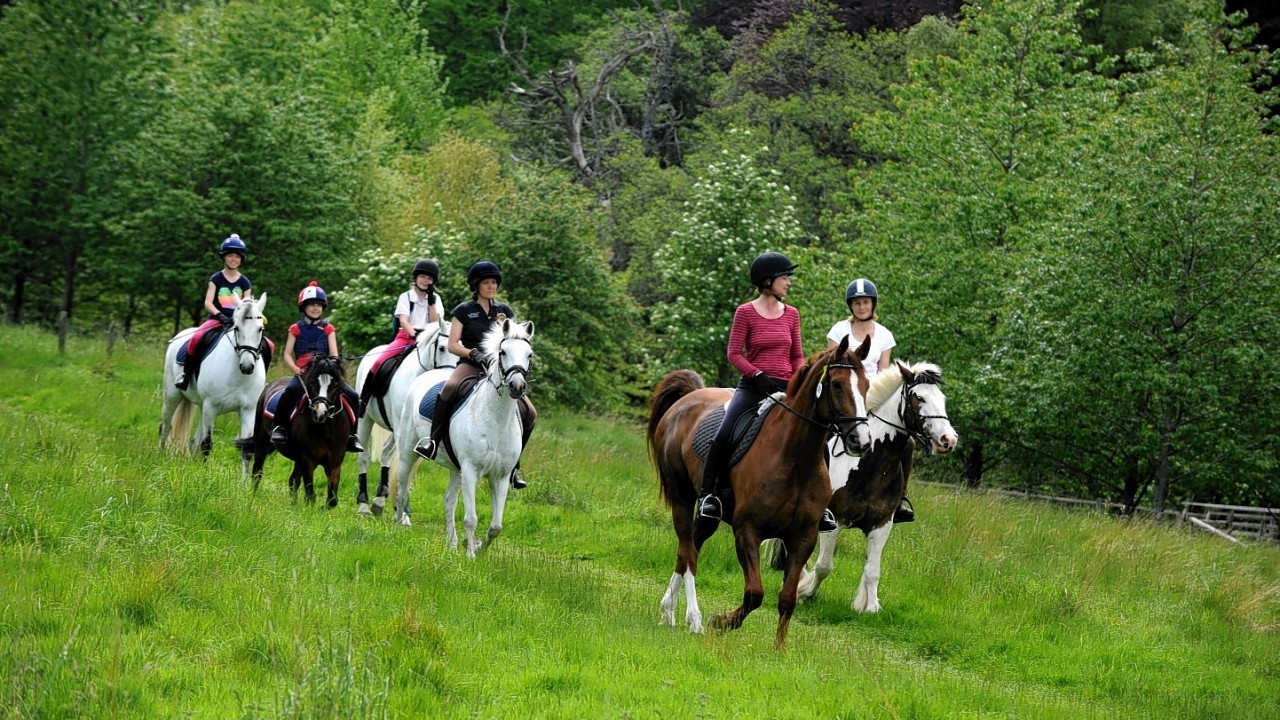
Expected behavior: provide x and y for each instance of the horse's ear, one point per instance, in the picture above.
(506, 327)
(262, 301)
(844, 347)
(528, 328)
(864, 349)
(907, 375)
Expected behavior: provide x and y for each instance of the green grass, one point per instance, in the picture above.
(135, 584)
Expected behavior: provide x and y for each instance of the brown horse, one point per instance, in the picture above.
(778, 490)
(317, 436)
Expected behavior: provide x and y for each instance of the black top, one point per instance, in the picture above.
(476, 322)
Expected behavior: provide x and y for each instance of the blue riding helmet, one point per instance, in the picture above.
(233, 244)
(861, 287)
(483, 270)
(312, 293)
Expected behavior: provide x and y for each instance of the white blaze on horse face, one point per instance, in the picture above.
(320, 403)
(934, 403)
(248, 323)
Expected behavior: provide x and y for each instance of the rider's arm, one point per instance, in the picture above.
(455, 340)
(333, 343)
(288, 355)
(402, 315)
(883, 363)
(209, 295)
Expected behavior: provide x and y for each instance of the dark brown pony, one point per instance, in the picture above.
(317, 436)
(779, 488)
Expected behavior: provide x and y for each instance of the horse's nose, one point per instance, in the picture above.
(947, 443)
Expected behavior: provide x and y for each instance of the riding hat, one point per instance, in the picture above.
(862, 287)
(233, 244)
(483, 270)
(312, 293)
(770, 265)
(427, 267)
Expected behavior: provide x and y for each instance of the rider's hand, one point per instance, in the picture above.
(226, 321)
(760, 383)
(477, 357)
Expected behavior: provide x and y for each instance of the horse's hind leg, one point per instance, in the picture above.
(384, 475)
(470, 519)
(451, 509)
(810, 580)
(334, 474)
(868, 597)
(686, 569)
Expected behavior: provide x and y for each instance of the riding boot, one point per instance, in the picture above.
(517, 478)
(828, 522)
(708, 504)
(353, 444)
(181, 381)
(905, 512)
(279, 435)
(430, 447)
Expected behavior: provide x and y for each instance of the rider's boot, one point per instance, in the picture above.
(905, 512)
(708, 504)
(828, 521)
(353, 444)
(517, 478)
(279, 436)
(181, 381)
(429, 447)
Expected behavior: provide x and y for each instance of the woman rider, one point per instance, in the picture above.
(471, 320)
(764, 345)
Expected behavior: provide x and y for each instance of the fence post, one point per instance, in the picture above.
(112, 332)
(62, 332)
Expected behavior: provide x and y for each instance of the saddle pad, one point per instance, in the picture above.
(207, 343)
(270, 407)
(377, 384)
(743, 435)
(427, 406)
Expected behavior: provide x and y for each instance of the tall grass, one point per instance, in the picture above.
(136, 584)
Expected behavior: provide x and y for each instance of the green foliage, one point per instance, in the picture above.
(736, 211)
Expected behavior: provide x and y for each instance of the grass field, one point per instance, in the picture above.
(136, 585)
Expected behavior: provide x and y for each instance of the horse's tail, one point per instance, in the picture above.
(180, 426)
(668, 391)
(774, 552)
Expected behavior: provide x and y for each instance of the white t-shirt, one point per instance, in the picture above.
(881, 340)
(418, 317)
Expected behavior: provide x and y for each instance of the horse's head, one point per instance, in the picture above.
(923, 407)
(323, 383)
(843, 384)
(247, 324)
(510, 355)
(433, 347)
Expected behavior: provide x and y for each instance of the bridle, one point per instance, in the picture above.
(234, 338)
(503, 376)
(435, 344)
(913, 422)
(331, 408)
(835, 417)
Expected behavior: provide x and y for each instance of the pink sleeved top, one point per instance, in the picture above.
(758, 343)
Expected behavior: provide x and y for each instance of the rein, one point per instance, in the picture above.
(331, 408)
(919, 434)
(832, 427)
(504, 374)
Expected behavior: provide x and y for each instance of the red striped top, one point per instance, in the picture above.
(758, 343)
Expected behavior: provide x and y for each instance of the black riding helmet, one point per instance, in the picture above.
(427, 267)
(770, 265)
(861, 287)
(482, 270)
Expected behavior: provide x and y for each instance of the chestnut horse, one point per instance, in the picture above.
(778, 490)
(318, 434)
(906, 405)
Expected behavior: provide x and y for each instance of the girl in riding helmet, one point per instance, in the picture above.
(308, 337)
(416, 308)
(471, 320)
(764, 345)
(862, 300)
(227, 288)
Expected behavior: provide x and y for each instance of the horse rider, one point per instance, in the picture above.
(311, 335)
(862, 299)
(227, 289)
(765, 346)
(471, 320)
(416, 308)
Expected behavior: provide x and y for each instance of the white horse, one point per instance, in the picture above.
(431, 351)
(484, 432)
(903, 406)
(231, 377)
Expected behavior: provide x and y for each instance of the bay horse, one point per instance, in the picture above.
(779, 488)
(485, 433)
(230, 380)
(430, 351)
(906, 405)
(318, 433)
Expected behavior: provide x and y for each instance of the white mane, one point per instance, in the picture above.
(492, 343)
(884, 385)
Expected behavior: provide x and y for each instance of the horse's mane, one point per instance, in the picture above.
(320, 364)
(884, 385)
(492, 343)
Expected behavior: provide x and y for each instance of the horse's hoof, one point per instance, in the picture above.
(379, 505)
(405, 522)
(363, 511)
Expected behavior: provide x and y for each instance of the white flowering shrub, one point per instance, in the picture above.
(737, 211)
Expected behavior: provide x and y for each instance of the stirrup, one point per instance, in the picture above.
(181, 382)
(517, 479)
(353, 445)
(427, 449)
(828, 522)
(905, 513)
(278, 435)
(709, 507)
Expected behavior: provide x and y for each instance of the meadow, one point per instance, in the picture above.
(135, 584)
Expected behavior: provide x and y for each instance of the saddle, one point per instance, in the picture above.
(208, 341)
(377, 383)
(741, 437)
(271, 407)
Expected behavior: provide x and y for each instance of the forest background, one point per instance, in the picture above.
(1070, 207)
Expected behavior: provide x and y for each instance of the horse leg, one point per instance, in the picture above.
(202, 441)
(362, 493)
(868, 597)
(469, 517)
(748, 546)
(686, 570)
(384, 479)
(498, 489)
(404, 478)
(810, 580)
(295, 481)
(248, 421)
(787, 595)
(334, 472)
(451, 509)
(308, 479)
